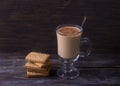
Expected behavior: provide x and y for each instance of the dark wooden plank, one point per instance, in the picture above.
(13, 72)
(30, 25)
(93, 61)
(94, 77)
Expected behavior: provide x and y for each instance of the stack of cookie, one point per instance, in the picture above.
(38, 64)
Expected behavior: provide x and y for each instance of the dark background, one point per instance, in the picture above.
(29, 25)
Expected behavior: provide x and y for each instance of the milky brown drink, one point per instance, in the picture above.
(68, 40)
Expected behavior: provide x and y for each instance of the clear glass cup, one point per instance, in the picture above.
(69, 40)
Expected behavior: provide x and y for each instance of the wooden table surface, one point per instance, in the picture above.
(94, 71)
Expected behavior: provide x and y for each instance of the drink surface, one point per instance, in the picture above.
(69, 31)
(68, 40)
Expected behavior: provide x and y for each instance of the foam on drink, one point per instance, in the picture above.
(69, 31)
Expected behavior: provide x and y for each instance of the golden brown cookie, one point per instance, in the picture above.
(41, 70)
(34, 74)
(38, 57)
(38, 65)
(43, 65)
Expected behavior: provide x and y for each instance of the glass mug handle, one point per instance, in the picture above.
(86, 43)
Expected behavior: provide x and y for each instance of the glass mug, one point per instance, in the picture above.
(68, 42)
